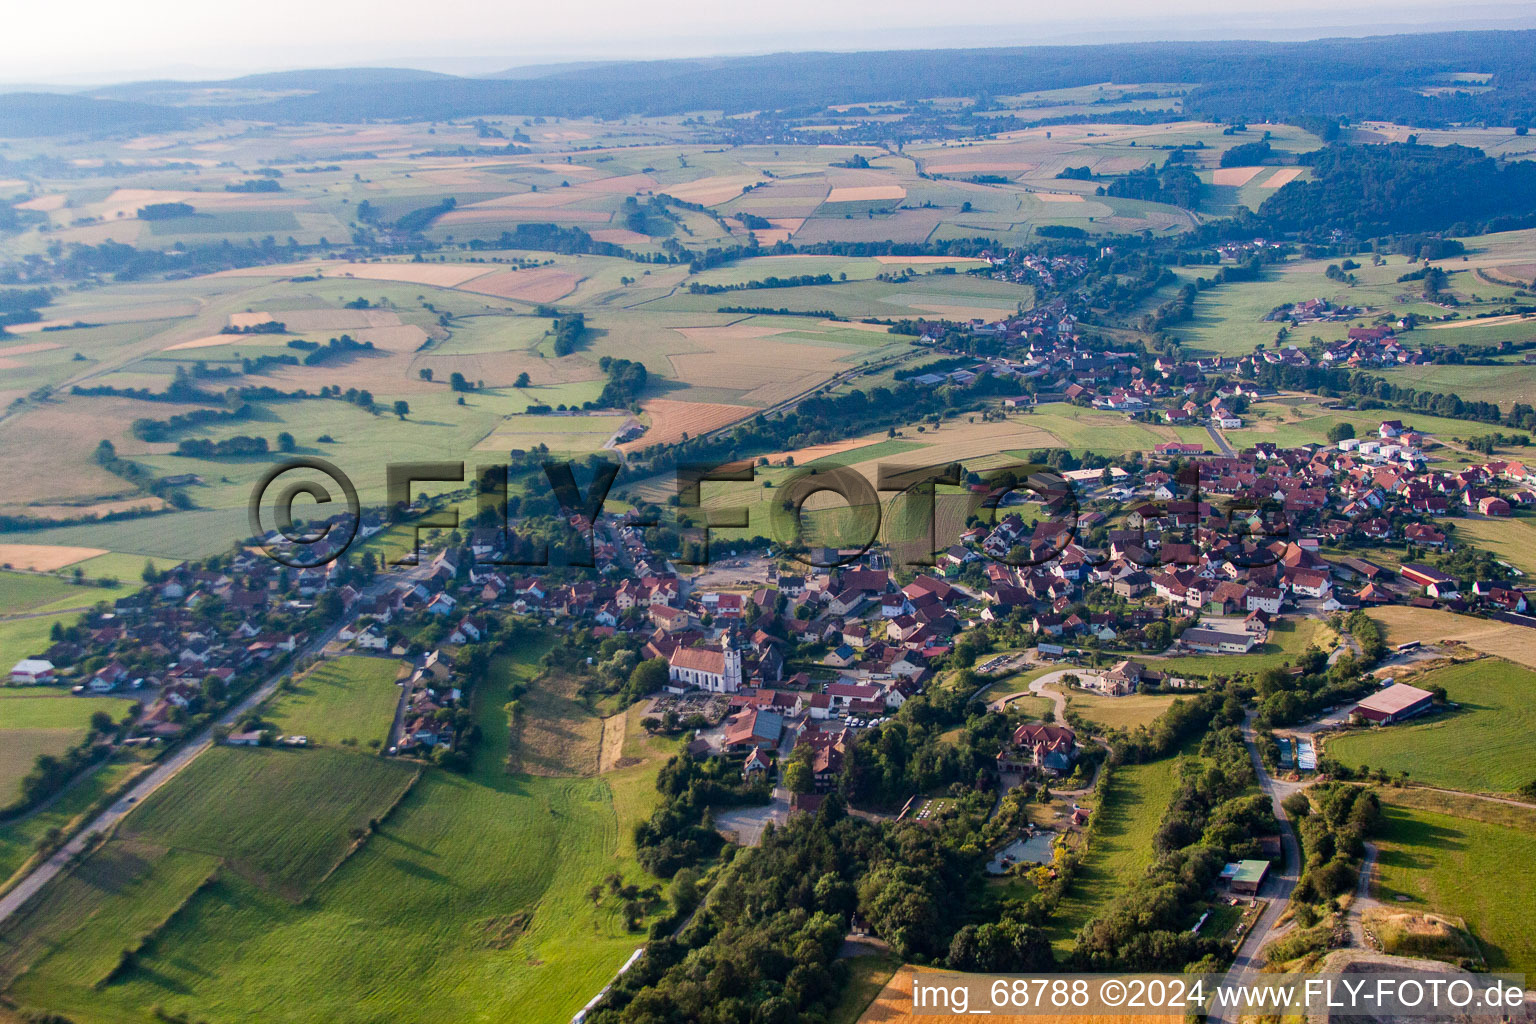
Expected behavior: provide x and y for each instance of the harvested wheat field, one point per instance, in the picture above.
(477, 215)
(920, 260)
(709, 191)
(439, 275)
(35, 326)
(44, 557)
(894, 1003)
(982, 167)
(620, 236)
(1058, 197)
(1234, 175)
(298, 321)
(216, 340)
(865, 193)
(620, 184)
(1502, 640)
(760, 369)
(670, 420)
(45, 204)
(396, 338)
(28, 349)
(1284, 176)
(809, 454)
(1487, 321)
(544, 284)
(47, 455)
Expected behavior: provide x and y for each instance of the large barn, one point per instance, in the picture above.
(1395, 703)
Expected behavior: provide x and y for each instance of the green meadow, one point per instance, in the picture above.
(468, 901)
(1485, 744)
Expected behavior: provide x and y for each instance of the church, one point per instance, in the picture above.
(708, 668)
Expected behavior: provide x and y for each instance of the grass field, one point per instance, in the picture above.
(1481, 872)
(26, 593)
(1288, 639)
(46, 722)
(468, 903)
(1119, 712)
(28, 637)
(1431, 625)
(1488, 744)
(1132, 806)
(351, 698)
(867, 975)
(1513, 540)
(74, 936)
(18, 839)
(280, 818)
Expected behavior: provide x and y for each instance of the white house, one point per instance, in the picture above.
(31, 671)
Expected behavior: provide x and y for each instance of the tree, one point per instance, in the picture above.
(799, 777)
(459, 382)
(522, 381)
(285, 442)
(402, 408)
(1340, 432)
(425, 374)
(647, 677)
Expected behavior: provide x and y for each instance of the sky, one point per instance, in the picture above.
(92, 41)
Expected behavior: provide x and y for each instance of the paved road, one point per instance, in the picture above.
(1277, 889)
(1220, 442)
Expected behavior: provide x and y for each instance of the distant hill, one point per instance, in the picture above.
(172, 92)
(33, 114)
(1371, 78)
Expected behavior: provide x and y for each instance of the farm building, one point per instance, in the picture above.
(1395, 703)
(1215, 641)
(1434, 582)
(30, 671)
(753, 727)
(1246, 876)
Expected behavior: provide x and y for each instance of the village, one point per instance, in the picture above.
(1101, 573)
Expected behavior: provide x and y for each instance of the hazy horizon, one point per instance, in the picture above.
(179, 39)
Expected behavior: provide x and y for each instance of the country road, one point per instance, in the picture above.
(1277, 888)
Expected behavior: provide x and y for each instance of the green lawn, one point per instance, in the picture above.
(351, 698)
(468, 904)
(1121, 852)
(1288, 639)
(1488, 744)
(1452, 865)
